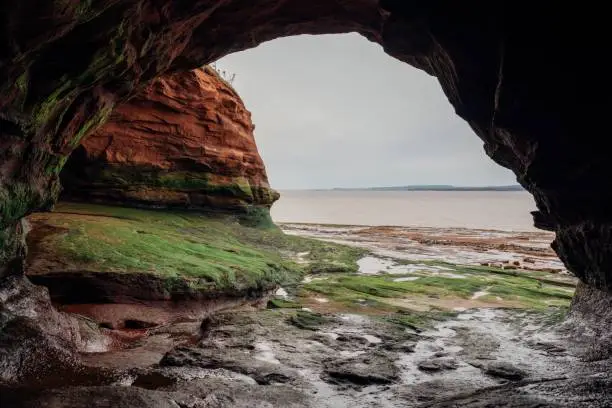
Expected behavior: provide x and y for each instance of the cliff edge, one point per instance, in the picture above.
(185, 141)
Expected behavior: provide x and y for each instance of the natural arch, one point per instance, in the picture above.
(511, 72)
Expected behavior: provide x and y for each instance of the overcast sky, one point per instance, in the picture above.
(336, 111)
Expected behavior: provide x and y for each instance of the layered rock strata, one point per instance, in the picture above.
(186, 141)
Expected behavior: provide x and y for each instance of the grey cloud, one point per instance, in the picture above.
(335, 111)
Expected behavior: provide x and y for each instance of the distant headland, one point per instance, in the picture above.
(436, 187)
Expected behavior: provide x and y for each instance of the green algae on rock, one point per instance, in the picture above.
(206, 251)
(497, 290)
(211, 253)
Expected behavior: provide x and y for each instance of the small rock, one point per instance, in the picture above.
(350, 338)
(505, 370)
(431, 391)
(549, 348)
(438, 364)
(307, 320)
(434, 347)
(261, 371)
(364, 370)
(403, 347)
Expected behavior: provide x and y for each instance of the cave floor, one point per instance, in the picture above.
(297, 358)
(398, 318)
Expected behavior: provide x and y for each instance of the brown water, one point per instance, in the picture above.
(499, 210)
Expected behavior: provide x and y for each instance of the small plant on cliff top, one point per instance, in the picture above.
(223, 74)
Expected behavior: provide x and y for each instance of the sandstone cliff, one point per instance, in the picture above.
(185, 141)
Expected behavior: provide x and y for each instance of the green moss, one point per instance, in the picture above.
(419, 320)
(55, 164)
(44, 111)
(257, 217)
(312, 252)
(9, 244)
(176, 180)
(91, 124)
(165, 243)
(515, 291)
(211, 251)
(307, 320)
(16, 200)
(283, 304)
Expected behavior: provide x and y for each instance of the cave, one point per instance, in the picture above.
(529, 80)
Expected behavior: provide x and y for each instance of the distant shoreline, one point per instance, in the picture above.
(420, 188)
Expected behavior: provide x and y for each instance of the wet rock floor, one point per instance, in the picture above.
(283, 358)
(320, 346)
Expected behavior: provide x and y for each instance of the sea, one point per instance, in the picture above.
(494, 210)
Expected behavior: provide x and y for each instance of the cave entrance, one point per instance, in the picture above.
(335, 111)
(470, 72)
(451, 207)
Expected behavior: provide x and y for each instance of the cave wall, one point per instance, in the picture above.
(528, 78)
(184, 142)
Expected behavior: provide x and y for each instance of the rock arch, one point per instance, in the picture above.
(524, 78)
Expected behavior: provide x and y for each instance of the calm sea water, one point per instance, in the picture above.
(503, 210)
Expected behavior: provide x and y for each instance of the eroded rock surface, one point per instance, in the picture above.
(504, 69)
(37, 343)
(260, 359)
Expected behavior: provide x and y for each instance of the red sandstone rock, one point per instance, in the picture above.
(185, 141)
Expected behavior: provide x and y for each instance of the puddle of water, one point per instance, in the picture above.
(321, 300)
(510, 343)
(300, 257)
(396, 243)
(309, 279)
(440, 332)
(353, 318)
(282, 293)
(263, 352)
(370, 265)
(407, 279)
(350, 354)
(451, 275)
(371, 339)
(484, 315)
(479, 294)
